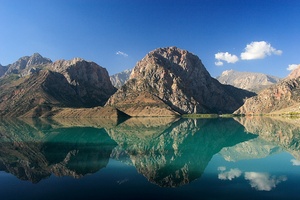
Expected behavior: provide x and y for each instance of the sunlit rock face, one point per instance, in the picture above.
(177, 79)
(174, 155)
(283, 97)
(295, 73)
(34, 153)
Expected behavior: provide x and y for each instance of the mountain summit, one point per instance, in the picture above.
(171, 80)
(295, 73)
(27, 64)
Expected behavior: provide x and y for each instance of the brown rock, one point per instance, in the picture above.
(27, 65)
(90, 81)
(75, 83)
(175, 80)
(278, 97)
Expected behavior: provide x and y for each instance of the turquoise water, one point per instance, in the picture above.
(152, 158)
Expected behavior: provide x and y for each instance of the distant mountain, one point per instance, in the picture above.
(74, 83)
(252, 149)
(283, 97)
(251, 81)
(168, 81)
(119, 79)
(27, 64)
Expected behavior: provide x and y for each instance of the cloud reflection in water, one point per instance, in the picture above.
(229, 175)
(263, 181)
(258, 180)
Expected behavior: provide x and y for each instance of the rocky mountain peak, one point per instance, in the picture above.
(74, 83)
(88, 78)
(227, 72)
(295, 73)
(62, 65)
(37, 59)
(174, 60)
(27, 64)
(178, 79)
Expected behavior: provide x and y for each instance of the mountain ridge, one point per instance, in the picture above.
(251, 81)
(27, 64)
(166, 82)
(74, 83)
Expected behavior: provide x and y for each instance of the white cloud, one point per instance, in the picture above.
(292, 67)
(229, 175)
(295, 162)
(121, 53)
(219, 63)
(225, 56)
(263, 181)
(259, 50)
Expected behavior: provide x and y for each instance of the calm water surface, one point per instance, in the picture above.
(153, 158)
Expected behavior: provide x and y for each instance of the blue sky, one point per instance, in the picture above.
(118, 33)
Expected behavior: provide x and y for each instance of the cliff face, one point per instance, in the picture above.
(90, 81)
(282, 97)
(179, 80)
(254, 82)
(39, 91)
(74, 83)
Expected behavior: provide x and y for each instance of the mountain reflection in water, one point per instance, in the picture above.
(179, 153)
(168, 152)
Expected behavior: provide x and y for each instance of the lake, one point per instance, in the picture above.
(150, 158)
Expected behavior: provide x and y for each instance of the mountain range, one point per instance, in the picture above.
(166, 82)
(251, 81)
(33, 86)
